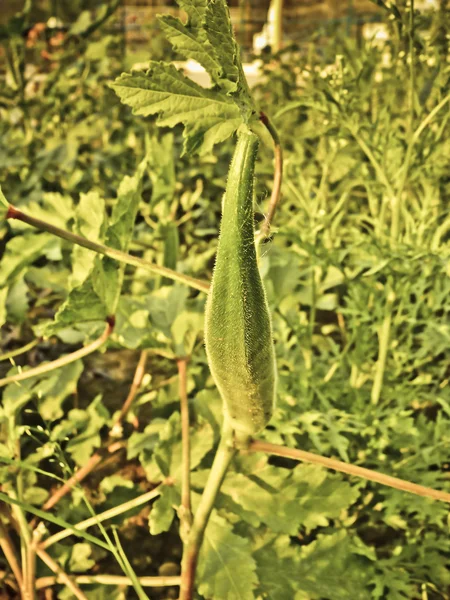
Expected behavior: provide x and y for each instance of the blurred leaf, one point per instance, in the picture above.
(50, 390)
(90, 215)
(80, 558)
(185, 331)
(3, 297)
(96, 281)
(85, 428)
(4, 205)
(22, 251)
(163, 510)
(326, 568)
(226, 567)
(289, 500)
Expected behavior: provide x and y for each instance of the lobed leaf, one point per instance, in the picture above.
(226, 568)
(97, 281)
(209, 116)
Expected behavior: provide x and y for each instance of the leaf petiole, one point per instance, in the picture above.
(14, 213)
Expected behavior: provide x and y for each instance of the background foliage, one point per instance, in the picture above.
(341, 282)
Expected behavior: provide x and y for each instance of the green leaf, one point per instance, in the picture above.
(316, 496)
(95, 592)
(96, 280)
(17, 301)
(132, 328)
(118, 236)
(35, 495)
(120, 228)
(89, 218)
(209, 116)
(54, 208)
(46, 516)
(162, 171)
(83, 304)
(88, 423)
(165, 305)
(288, 500)
(82, 23)
(185, 331)
(163, 510)
(80, 558)
(206, 37)
(165, 459)
(226, 568)
(51, 389)
(277, 569)
(22, 251)
(3, 312)
(4, 205)
(331, 567)
(190, 40)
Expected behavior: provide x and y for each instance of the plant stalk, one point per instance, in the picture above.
(104, 579)
(373, 161)
(185, 508)
(384, 335)
(277, 24)
(225, 453)
(10, 554)
(349, 469)
(25, 534)
(19, 351)
(108, 514)
(137, 381)
(63, 361)
(14, 213)
(77, 477)
(277, 178)
(62, 575)
(397, 204)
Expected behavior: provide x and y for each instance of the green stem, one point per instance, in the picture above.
(25, 541)
(119, 580)
(62, 575)
(312, 316)
(373, 161)
(24, 530)
(414, 136)
(185, 511)
(31, 566)
(10, 554)
(108, 514)
(222, 460)
(136, 384)
(349, 469)
(14, 213)
(277, 25)
(427, 120)
(397, 202)
(277, 177)
(18, 351)
(384, 335)
(60, 362)
(127, 568)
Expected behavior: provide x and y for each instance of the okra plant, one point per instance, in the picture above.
(219, 509)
